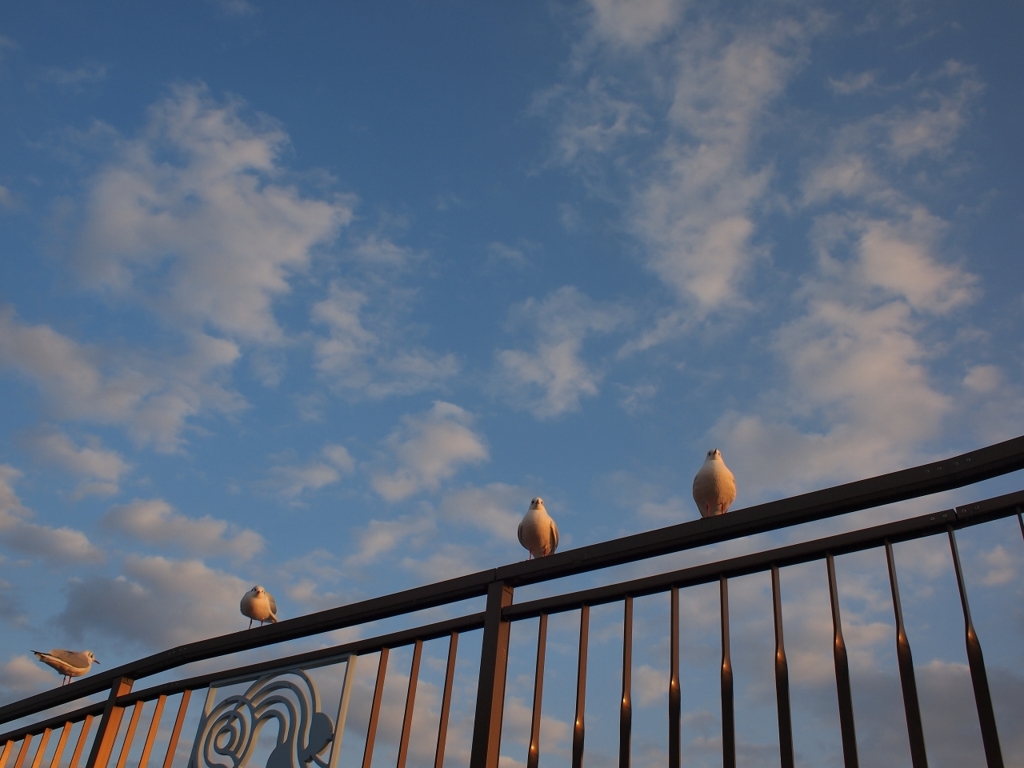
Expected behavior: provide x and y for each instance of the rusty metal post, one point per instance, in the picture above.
(839, 656)
(538, 693)
(626, 705)
(674, 695)
(728, 711)
(490, 692)
(110, 721)
(979, 678)
(915, 730)
(578, 727)
(782, 678)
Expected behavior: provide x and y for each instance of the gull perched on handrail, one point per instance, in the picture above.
(68, 663)
(538, 532)
(259, 605)
(714, 487)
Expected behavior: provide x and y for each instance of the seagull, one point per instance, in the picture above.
(538, 532)
(714, 487)
(68, 663)
(259, 605)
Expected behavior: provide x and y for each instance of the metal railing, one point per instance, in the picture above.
(283, 690)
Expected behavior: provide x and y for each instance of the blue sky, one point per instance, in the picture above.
(319, 296)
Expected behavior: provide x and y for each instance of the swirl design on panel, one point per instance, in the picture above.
(229, 734)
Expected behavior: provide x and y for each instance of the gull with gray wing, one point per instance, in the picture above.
(68, 663)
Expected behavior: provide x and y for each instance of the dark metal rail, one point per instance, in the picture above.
(498, 586)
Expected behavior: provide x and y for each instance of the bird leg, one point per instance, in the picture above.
(250, 623)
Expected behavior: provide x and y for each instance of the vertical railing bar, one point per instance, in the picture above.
(728, 711)
(346, 695)
(172, 743)
(446, 700)
(110, 722)
(5, 753)
(1020, 520)
(844, 692)
(915, 730)
(979, 678)
(42, 747)
(490, 690)
(578, 730)
(674, 698)
(533, 753)
(26, 742)
(378, 692)
(626, 706)
(782, 678)
(410, 703)
(129, 734)
(80, 744)
(154, 726)
(65, 731)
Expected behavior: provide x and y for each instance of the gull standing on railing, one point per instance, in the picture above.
(714, 487)
(538, 532)
(68, 663)
(259, 605)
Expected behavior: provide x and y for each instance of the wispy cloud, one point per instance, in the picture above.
(55, 545)
(86, 74)
(374, 363)
(430, 448)
(152, 397)
(551, 378)
(155, 522)
(100, 469)
(292, 481)
(221, 224)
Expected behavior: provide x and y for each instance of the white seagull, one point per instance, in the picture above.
(714, 487)
(538, 532)
(68, 663)
(259, 605)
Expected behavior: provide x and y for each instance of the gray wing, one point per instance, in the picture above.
(519, 533)
(554, 538)
(273, 604)
(74, 658)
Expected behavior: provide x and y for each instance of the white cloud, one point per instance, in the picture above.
(853, 82)
(695, 212)
(857, 361)
(292, 481)
(158, 603)
(379, 537)
(22, 676)
(100, 468)
(6, 198)
(83, 75)
(552, 378)
(56, 545)
(429, 449)
(1002, 566)
(634, 22)
(983, 379)
(495, 509)
(218, 223)
(151, 397)
(371, 363)
(155, 522)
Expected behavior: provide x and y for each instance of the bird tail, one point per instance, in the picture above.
(272, 619)
(40, 654)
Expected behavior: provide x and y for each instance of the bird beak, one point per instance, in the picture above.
(95, 661)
